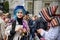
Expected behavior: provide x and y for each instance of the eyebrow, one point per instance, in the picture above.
(20, 12)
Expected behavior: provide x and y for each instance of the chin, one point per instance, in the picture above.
(19, 17)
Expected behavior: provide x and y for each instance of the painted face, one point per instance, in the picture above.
(19, 14)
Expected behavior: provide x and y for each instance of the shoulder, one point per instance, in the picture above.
(25, 21)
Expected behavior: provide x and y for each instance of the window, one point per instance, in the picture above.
(47, 4)
(30, 7)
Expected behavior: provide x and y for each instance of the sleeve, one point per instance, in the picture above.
(27, 26)
(3, 29)
(7, 31)
(51, 34)
(12, 32)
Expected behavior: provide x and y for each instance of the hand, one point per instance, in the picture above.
(24, 30)
(5, 37)
(18, 28)
(35, 34)
(28, 30)
(39, 30)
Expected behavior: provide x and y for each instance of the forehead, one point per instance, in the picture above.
(19, 10)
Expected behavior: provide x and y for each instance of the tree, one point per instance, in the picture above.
(6, 6)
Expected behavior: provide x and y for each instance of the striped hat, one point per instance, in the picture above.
(44, 15)
(52, 10)
(48, 15)
(54, 21)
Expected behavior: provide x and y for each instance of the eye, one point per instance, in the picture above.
(19, 12)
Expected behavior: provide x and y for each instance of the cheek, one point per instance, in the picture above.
(19, 15)
(16, 14)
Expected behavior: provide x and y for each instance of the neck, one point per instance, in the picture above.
(20, 20)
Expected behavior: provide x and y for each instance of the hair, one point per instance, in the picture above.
(26, 13)
(1, 12)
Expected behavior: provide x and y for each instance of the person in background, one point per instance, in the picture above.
(26, 15)
(32, 27)
(27, 18)
(2, 24)
(18, 26)
(31, 22)
(8, 19)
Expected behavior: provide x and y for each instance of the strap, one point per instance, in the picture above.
(13, 24)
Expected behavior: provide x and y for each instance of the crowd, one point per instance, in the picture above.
(23, 27)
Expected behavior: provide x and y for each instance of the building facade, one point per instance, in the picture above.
(38, 4)
(33, 6)
(13, 4)
(1, 1)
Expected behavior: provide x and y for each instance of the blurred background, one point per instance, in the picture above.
(33, 6)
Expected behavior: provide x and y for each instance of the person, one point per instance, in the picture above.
(51, 34)
(26, 15)
(53, 22)
(40, 23)
(18, 26)
(58, 38)
(2, 24)
(32, 27)
(8, 19)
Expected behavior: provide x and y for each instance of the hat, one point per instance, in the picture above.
(52, 10)
(55, 21)
(44, 15)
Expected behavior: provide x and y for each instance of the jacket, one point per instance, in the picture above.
(17, 35)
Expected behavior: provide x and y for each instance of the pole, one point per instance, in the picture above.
(33, 7)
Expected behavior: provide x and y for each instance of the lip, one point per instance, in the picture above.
(19, 15)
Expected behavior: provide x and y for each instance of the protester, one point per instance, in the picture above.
(53, 31)
(2, 24)
(32, 27)
(40, 23)
(18, 26)
(51, 34)
(45, 26)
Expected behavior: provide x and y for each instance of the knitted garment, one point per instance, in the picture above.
(47, 15)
